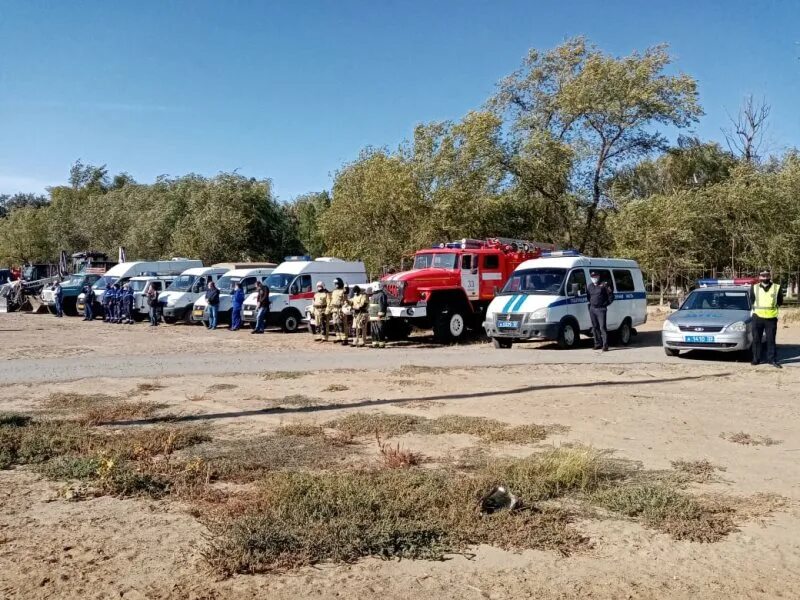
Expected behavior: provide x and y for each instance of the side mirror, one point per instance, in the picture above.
(674, 305)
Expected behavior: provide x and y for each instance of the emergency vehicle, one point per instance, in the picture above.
(545, 299)
(248, 278)
(176, 303)
(292, 286)
(451, 284)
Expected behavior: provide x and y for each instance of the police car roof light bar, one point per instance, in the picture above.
(304, 258)
(737, 281)
(559, 253)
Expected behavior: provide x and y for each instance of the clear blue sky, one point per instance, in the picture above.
(292, 90)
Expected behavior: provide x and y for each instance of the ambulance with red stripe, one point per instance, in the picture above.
(293, 283)
(545, 299)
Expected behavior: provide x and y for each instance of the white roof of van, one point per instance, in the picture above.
(246, 272)
(205, 271)
(567, 262)
(321, 265)
(149, 277)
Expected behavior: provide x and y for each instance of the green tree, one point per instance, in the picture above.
(307, 210)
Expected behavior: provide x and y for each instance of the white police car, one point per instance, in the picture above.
(545, 299)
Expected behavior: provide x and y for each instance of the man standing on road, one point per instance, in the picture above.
(766, 296)
(237, 301)
(359, 305)
(88, 303)
(335, 306)
(321, 301)
(600, 297)
(262, 307)
(128, 299)
(152, 302)
(58, 294)
(377, 315)
(107, 302)
(212, 297)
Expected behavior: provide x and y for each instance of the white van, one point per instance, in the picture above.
(176, 303)
(122, 272)
(292, 287)
(545, 299)
(248, 277)
(141, 286)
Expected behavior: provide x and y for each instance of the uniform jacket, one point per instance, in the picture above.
(238, 298)
(600, 296)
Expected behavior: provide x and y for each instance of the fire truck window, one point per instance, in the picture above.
(445, 261)
(466, 262)
(423, 261)
(491, 261)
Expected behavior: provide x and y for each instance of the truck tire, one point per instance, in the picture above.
(569, 335)
(396, 330)
(625, 332)
(504, 343)
(290, 320)
(449, 325)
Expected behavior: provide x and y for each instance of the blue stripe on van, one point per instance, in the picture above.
(617, 296)
(519, 302)
(507, 307)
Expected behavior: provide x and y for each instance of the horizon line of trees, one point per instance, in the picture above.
(570, 149)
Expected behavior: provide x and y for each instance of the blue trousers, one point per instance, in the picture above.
(153, 315)
(236, 317)
(213, 311)
(87, 310)
(59, 307)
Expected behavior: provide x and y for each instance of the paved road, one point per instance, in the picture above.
(644, 350)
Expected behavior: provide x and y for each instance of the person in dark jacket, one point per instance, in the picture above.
(600, 297)
(107, 300)
(128, 300)
(262, 307)
(152, 303)
(88, 303)
(237, 301)
(58, 294)
(377, 315)
(212, 298)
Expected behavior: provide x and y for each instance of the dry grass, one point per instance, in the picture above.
(489, 430)
(97, 409)
(417, 370)
(790, 315)
(144, 388)
(395, 457)
(336, 387)
(749, 440)
(273, 375)
(696, 471)
(300, 430)
(221, 387)
(300, 400)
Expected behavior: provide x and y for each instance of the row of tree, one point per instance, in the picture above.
(570, 149)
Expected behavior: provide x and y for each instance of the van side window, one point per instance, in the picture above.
(577, 277)
(605, 277)
(304, 282)
(249, 284)
(491, 261)
(624, 280)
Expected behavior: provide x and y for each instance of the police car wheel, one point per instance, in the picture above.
(624, 333)
(568, 336)
(502, 343)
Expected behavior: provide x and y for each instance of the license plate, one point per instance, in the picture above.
(699, 339)
(80, 305)
(198, 313)
(507, 325)
(247, 313)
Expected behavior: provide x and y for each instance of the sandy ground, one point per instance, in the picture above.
(639, 403)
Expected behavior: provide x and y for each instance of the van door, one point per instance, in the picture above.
(626, 288)
(469, 275)
(577, 301)
(614, 313)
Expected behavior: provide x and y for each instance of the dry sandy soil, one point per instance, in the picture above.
(638, 403)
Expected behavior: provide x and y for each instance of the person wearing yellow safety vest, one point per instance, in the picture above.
(766, 296)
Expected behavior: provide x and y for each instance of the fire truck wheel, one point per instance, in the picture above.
(502, 343)
(450, 325)
(568, 335)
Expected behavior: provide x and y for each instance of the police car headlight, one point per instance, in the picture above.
(538, 315)
(670, 326)
(739, 326)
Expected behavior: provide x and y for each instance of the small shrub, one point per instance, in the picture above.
(144, 388)
(395, 457)
(336, 387)
(697, 471)
(13, 420)
(221, 387)
(298, 400)
(271, 375)
(749, 440)
(360, 424)
(300, 430)
(120, 410)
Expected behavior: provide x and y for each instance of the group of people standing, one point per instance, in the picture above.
(118, 303)
(334, 310)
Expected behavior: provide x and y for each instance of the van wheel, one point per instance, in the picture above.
(568, 335)
(624, 332)
(290, 321)
(671, 352)
(170, 320)
(502, 343)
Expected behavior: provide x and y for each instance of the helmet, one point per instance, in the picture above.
(338, 282)
(356, 289)
(320, 285)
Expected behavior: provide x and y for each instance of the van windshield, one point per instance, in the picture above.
(137, 285)
(73, 281)
(279, 282)
(100, 284)
(182, 283)
(225, 284)
(535, 281)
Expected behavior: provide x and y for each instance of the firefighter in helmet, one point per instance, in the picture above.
(322, 300)
(377, 315)
(338, 299)
(360, 307)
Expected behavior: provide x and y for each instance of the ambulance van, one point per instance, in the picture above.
(545, 299)
(292, 286)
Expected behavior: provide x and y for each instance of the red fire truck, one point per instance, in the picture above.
(451, 284)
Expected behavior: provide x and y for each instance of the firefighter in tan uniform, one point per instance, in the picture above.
(360, 308)
(338, 301)
(377, 315)
(321, 302)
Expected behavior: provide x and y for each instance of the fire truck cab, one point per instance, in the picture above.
(450, 285)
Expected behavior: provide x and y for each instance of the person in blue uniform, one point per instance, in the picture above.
(107, 298)
(127, 300)
(88, 303)
(117, 311)
(237, 301)
(58, 293)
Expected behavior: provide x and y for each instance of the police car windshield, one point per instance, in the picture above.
(182, 283)
(225, 284)
(436, 261)
(535, 281)
(279, 282)
(717, 300)
(101, 283)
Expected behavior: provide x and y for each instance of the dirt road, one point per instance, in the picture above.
(635, 402)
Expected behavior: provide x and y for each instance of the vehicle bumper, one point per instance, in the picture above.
(198, 314)
(408, 312)
(249, 313)
(171, 312)
(723, 342)
(526, 331)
